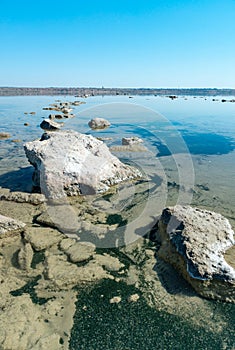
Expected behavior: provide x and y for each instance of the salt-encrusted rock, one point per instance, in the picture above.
(99, 123)
(51, 125)
(194, 241)
(78, 251)
(22, 197)
(4, 135)
(129, 141)
(25, 257)
(42, 237)
(9, 226)
(70, 163)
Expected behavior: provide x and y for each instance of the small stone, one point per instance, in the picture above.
(133, 298)
(115, 300)
(25, 257)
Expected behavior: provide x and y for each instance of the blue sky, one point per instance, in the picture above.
(117, 43)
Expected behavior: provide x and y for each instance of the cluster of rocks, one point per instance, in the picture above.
(49, 124)
(64, 264)
(190, 239)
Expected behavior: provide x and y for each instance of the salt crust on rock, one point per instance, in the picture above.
(194, 240)
(70, 163)
(10, 226)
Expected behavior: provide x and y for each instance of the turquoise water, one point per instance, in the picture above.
(199, 128)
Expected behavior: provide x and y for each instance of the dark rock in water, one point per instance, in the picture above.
(70, 163)
(48, 124)
(55, 116)
(194, 241)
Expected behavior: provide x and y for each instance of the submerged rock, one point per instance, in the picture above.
(9, 226)
(99, 123)
(130, 141)
(4, 135)
(194, 241)
(70, 163)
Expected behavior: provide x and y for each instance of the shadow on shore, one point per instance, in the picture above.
(18, 180)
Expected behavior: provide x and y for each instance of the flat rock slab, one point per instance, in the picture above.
(109, 262)
(41, 237)
(194, 241)
(62, 217)
(10, 226)
(22, 197)
(65, 275)
(70, 163)
(77, 251)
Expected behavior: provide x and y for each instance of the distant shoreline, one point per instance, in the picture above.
(86, 92)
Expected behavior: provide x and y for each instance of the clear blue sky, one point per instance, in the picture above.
(117, 43)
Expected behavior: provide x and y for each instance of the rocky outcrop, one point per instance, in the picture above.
(9, 226)
(70, 163)
(194, 241)
(51, 125)
(99, 123)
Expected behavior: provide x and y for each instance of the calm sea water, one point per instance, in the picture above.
(192, 142)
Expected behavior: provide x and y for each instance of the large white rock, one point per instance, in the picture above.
(70, 163)
(194, 241)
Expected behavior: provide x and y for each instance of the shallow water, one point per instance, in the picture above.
(191, 149)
